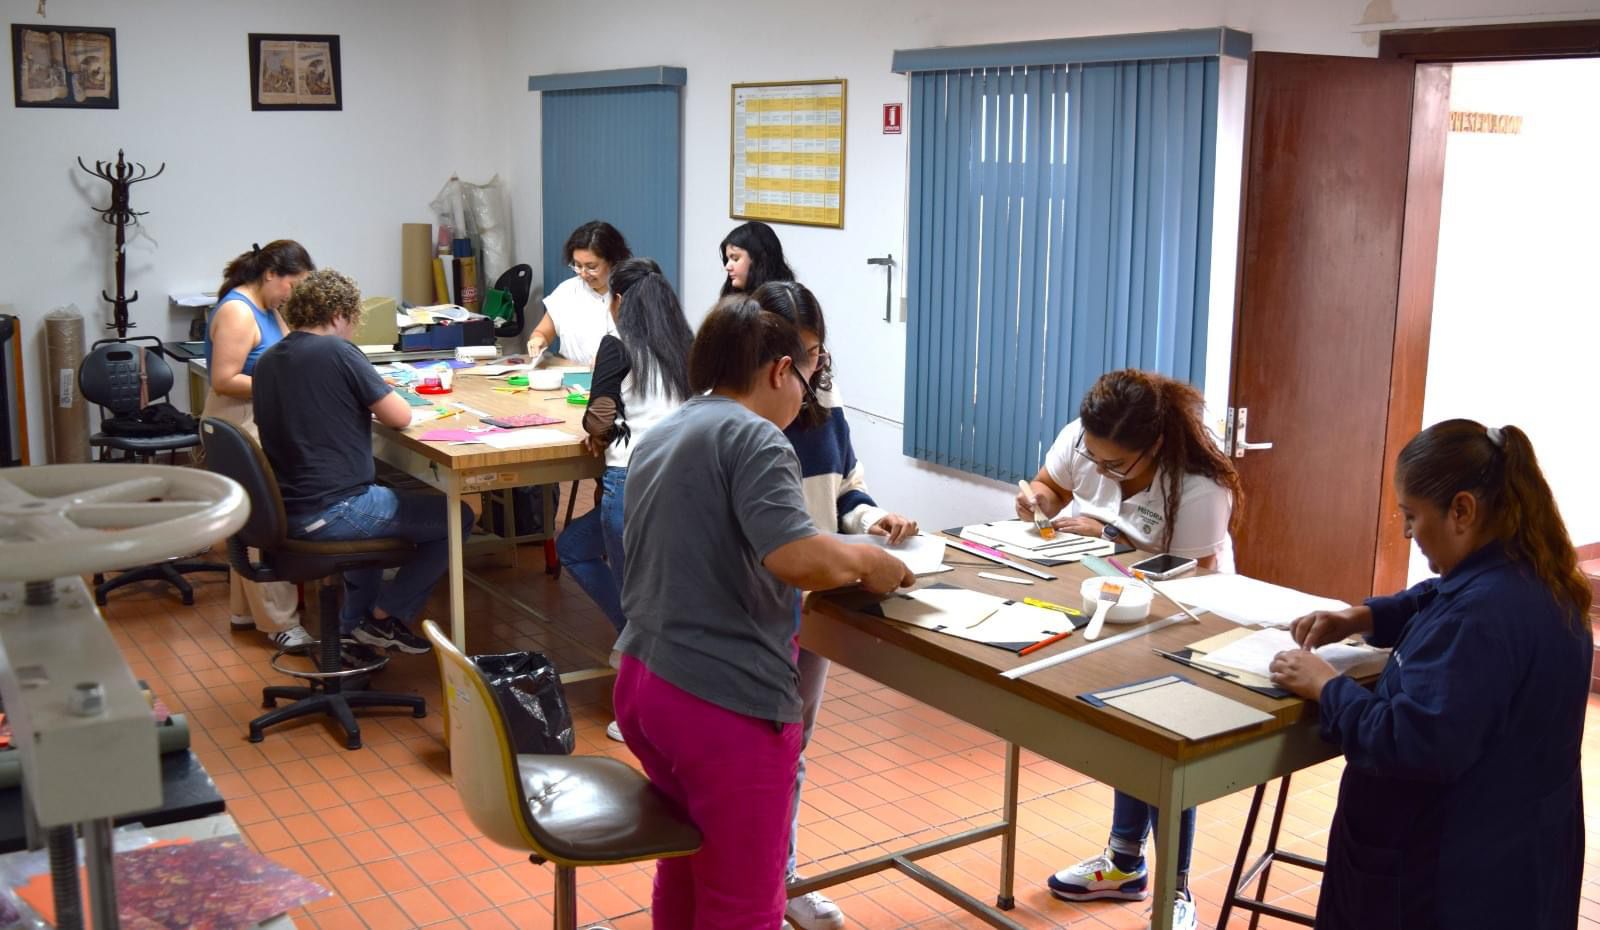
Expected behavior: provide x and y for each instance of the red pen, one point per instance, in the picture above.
(1043, 643)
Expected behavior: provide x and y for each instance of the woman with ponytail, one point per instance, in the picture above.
(1462, 800)
(242, 325)
(1138, 465)
(640, 375)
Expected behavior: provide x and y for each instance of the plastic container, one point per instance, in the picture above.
(544, 380)
(1133, 606)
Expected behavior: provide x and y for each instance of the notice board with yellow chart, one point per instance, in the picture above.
(788, 153)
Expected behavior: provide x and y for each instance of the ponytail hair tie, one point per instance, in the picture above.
(255, 248)
(1496, 437)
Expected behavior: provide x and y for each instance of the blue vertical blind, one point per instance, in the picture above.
(613, 154)
(1060, 228)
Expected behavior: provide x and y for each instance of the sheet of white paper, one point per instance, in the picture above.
(491, 371)
(1183, 707)
(1064, 547)
(528, 438)
(375, 349)
(421, 415)
(1254, 653)
(923, 554)
(1246, 601)
(975, 616)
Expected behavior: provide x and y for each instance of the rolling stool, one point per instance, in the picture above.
(232, 453)
(570, 811)
(1263, 866)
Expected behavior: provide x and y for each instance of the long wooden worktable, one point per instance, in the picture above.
(1043, 713)
(470, 469)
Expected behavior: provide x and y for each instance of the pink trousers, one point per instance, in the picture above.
(734, 776)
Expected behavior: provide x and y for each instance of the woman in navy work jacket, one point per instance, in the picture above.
(1461, 804)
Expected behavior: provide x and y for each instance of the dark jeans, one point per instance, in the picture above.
(590, 547)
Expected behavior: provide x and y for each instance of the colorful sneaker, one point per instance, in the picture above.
(813, 911)
(390, 633)
(614, 731)
(294, 639)
(1093, 879)
(354, 654)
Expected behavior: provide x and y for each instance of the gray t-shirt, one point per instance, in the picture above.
(712, 490)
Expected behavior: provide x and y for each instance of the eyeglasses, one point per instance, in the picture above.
(822, 375)
(1118, 474)
(811, 399)
(585, 269)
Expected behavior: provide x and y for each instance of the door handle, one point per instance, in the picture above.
(1241, 421)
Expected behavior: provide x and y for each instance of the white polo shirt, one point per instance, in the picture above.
(581, 318)
(1201, 523)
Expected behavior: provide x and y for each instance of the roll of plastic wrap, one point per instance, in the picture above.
(69, 415)
(416, 263)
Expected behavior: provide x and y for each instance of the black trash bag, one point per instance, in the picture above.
(528, 688)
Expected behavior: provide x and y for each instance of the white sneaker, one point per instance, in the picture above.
(614, 731)
(815, 911)
(294, 637)
(1184, 914)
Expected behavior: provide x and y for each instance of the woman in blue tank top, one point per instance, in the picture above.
(239, 328)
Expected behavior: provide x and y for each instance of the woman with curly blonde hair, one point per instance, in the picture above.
(315, 397)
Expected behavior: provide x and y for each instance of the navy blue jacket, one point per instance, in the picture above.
(1462, 803)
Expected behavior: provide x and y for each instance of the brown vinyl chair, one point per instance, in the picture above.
(570, 811)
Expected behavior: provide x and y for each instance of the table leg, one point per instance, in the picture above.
(1166, 849)
(458, 593)
(1008, 840)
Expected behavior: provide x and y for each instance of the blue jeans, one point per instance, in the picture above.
(379, 512)
(590, 547)
(813, 681)
(1131, 820)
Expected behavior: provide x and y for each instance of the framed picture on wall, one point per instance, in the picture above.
(787, 152)
(64, 66)
(295, 72)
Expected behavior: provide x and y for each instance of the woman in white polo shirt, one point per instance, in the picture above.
(1139, 465)
(578, 311)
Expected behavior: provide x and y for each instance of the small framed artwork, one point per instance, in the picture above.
(294, 72)
(64, 66)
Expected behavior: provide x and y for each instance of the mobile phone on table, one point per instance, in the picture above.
(1162, 567)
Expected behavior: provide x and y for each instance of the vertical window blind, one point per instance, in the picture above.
(1060, 228)
(611, 143)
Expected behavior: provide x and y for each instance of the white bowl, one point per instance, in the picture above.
(1133, 606)
(544, 380)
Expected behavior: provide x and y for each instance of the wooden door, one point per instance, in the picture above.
(1343, 172)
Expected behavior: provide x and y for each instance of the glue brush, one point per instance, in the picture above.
(1046, 531)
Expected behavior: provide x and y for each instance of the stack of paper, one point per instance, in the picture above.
(975, 616)
(528, 438)
(1246, 601)
(923, 554)
(1021, 538)
(1253, 654)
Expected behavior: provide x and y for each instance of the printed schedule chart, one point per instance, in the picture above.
(788, 153)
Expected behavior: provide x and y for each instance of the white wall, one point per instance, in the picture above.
(418, 105)
(1516, 316)
(764, 40)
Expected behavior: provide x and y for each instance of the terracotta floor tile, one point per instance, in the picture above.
(339, 918)
(383, 912)
(366, 846)
(460, 896)
(498, 887)
(328, 855)
(353, 884)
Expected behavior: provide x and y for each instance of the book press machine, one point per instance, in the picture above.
(81, 726)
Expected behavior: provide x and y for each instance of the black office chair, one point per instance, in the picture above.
(230, 451)
(130, 383)
(518, 282)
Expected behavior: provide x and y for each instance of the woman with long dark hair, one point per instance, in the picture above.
(837, 498)
(244, 323)
(752, 255)
(1140, 465)
(578, 311)
(640, 375)
(1462, 762)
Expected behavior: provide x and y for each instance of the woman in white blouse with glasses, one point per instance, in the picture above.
(578, 311)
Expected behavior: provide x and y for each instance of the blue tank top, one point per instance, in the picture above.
(266, 322)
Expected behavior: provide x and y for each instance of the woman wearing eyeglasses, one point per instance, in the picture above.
(837, 499)
(578, 311)
(1139, 465)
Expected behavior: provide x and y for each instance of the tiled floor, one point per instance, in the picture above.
(382, 828)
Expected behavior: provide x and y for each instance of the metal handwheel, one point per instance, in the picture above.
(62, 520)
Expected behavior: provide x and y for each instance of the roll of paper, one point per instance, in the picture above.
(416, 263)
(69, 415)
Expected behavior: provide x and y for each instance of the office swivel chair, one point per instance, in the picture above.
(130, 384)
(232, 453)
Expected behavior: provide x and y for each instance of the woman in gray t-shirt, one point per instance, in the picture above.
(719, 544)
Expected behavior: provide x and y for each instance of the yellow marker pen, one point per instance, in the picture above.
(1035, 602)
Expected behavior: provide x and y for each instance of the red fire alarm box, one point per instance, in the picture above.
(892, 119)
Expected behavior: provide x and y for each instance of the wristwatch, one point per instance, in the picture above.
(1110, 532)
